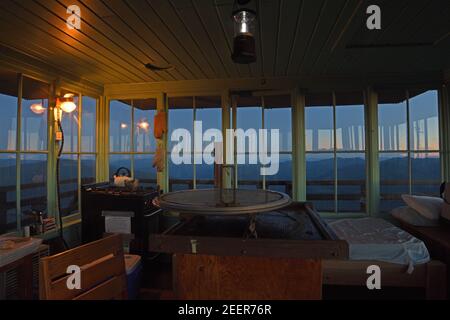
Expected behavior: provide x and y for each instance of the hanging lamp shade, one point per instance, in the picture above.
(244, 44)
(68, 103)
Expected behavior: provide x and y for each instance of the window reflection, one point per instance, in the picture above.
(88, 128)
(181, 116)
(144, 112)
(392, 126)
(336, 173)
(8, 213)
(424, 126)
(416, 172)
(34, 115)
(120, 126)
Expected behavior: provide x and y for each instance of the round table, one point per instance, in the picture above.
(228, 202)
(224, 202)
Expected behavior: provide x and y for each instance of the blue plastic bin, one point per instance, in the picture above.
(133, 266)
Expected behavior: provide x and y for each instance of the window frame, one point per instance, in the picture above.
(335, 152)
(194, 118)
(79, 153)
(18, 152)
(132, 153)
(409, 151)
(263, 180)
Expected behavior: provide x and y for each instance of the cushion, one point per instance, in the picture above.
(412, 217)
(428, 207)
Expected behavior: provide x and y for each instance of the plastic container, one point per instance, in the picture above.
(133, 266)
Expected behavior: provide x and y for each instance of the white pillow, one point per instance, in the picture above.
(428, 207)
(412, 217)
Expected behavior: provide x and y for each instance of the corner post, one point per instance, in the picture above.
(372, 157)
(162, 178)
(298, 146)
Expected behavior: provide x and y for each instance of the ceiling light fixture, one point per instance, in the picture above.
(67, 103)
(244, 44)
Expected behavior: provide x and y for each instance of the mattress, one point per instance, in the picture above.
(379, 240)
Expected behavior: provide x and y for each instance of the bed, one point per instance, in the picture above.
(403, 259)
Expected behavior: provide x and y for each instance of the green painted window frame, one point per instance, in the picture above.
(335, 152)
(130, 153)
(235, 108)
(194, 118)
(409, 151)
(18, 152)
(80, 153)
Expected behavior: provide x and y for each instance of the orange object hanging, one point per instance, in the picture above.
(160, 125)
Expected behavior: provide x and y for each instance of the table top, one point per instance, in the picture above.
(224, 202)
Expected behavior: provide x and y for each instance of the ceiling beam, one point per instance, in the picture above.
(307, 83)
(19, 62)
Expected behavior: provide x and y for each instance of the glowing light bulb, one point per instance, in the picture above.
(68, 106)
(123, 126)
(67, 103)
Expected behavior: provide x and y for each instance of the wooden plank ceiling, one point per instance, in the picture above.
(294, 38)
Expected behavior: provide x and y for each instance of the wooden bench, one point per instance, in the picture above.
(103, 275)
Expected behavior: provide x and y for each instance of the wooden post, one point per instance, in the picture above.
(444, 130)
(372, 161)
(163, 177)
(298, 146)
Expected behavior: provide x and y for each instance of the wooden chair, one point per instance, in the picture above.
(103, 275)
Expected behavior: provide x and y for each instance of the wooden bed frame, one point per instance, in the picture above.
(430, 276)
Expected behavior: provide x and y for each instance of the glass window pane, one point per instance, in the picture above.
(249, 175)
(210, 118)
(181, 116)
(181, 176)
(209, 113)
(8, 216)
(8, 105)
(351, 175)
(34, 115)
(70, 124)
(144, 112)
(88, 169)
(320, 181)
(424, 121)
(88, 124)
(281, 119)
(117, 161)
(249, 119)
(120, 126)
(392, 126)
(319, 128)
(33, 185)
(394, 180)
(144, 171)
(350, 135)
(69, 184)
(282, 181)
(426, 173)
(205, 176)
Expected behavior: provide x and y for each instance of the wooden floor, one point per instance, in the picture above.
(157, 285)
